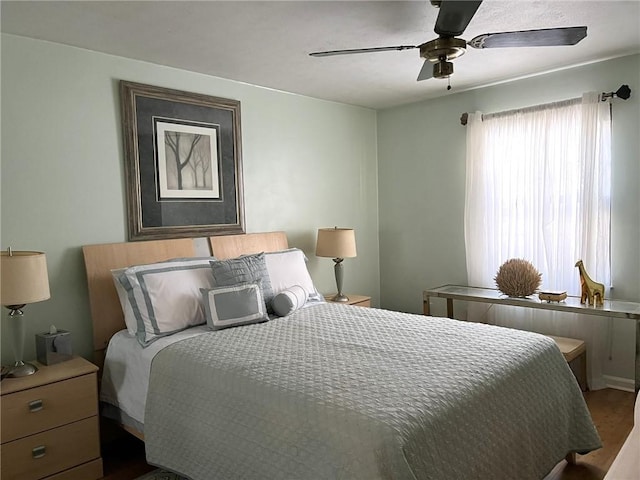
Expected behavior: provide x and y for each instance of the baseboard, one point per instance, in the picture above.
(619, 383)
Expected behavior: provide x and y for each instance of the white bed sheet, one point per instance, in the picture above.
(125, 378)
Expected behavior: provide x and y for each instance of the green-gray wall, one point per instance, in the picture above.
(421, 170)
(307, 164)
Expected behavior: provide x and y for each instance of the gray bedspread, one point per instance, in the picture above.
(341, 392)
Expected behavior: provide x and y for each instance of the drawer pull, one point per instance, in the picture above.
(39, 452)
(35, 406)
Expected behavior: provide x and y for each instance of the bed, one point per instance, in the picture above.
(331, 391)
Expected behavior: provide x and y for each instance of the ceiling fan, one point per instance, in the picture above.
(453, 18)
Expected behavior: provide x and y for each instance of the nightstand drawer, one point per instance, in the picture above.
(86, 471)
(51, 452)
(49, 406)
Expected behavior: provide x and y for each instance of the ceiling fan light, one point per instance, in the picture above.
(442, 48)
(442, 69)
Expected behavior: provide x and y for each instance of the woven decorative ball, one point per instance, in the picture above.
(518, 278)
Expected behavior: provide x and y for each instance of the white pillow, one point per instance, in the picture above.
(289, 300)
(129, 317)
(288, 268)
(165, 297)
(234, 306)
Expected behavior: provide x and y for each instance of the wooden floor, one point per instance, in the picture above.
(612, 413)
(124, 459)
(611, 410)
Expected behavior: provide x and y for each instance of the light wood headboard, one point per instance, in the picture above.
(231, 246)
(106, 312)
(99, 260)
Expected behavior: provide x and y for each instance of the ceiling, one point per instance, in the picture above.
(267, 43)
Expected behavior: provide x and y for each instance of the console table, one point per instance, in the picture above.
(611, 308)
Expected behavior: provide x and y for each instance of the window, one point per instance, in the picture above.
(538, 188)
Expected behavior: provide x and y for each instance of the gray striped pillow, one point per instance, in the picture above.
(246, 269)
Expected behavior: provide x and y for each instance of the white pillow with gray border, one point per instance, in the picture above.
(165, 297)
(288, 268)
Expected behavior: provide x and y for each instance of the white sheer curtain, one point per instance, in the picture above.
(538, 188)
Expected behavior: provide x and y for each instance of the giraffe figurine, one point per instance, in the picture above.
(591, 292)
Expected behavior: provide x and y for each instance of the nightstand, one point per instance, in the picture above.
(50, 423)
(358, 300)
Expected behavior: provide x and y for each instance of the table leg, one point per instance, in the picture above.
(637, 356)
(426, 308)
(584, 384)
(450, 307)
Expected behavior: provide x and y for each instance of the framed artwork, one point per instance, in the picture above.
(183, 163)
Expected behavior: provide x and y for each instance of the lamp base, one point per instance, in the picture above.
(21, 369)
(339, 297)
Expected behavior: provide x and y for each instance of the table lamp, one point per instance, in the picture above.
(23, 280)
(337, 243)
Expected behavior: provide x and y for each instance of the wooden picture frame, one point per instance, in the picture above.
(183, 159)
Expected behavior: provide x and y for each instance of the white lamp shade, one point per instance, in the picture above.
(336, 243)
(24, 278)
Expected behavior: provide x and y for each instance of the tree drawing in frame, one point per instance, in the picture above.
(187, 160)
(183, 158)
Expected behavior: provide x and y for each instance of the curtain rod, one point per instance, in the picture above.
(624, 92)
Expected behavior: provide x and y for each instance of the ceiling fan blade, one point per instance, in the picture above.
(454, 16)
(426, 72)
(361, 50)
(547, 37)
